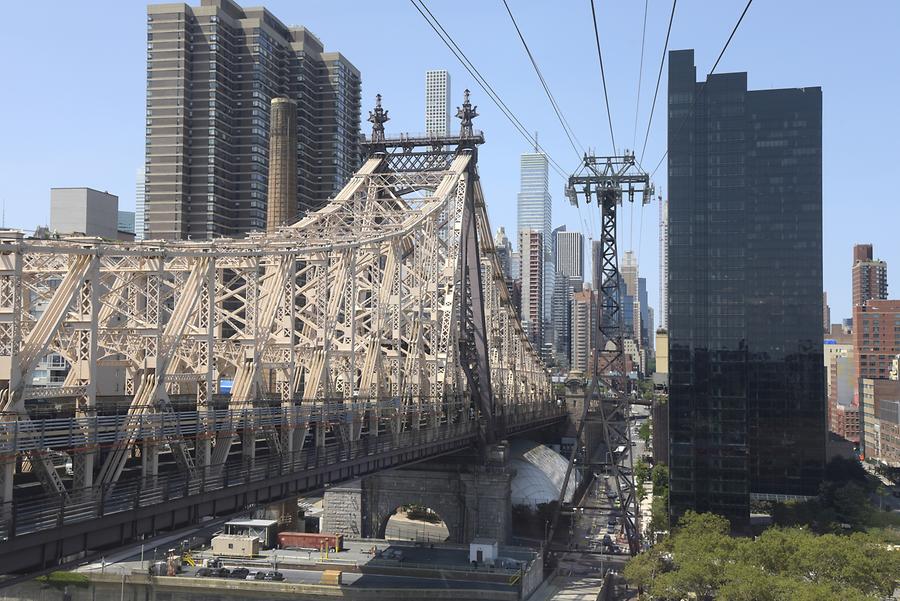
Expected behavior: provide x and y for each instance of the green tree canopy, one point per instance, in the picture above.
(700, 560)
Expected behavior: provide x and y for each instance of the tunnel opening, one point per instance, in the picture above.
(418, 523)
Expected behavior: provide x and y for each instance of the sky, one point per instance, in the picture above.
(72, 111)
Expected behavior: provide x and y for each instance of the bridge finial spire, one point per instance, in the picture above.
(466, 113)
(378, 118)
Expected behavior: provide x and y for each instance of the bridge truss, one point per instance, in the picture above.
(385, 312)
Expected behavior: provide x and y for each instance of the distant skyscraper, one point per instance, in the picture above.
(826, 314)
(630, 271)
(663, 262)
(561, 318)
(554, 239)
(645, 322)
(569, 257)
(534, 209)
(126, 222)
(212, 71)
(584, 326)
(531, 250)
(596, 265)
(503, 248)
(747, 416)
(437, 102)
(869, 275)
(139, 206)
(534, 204)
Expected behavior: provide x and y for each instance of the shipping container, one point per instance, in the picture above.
(311, 540)
(226, 545)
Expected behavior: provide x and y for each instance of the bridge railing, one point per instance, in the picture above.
(30, 515)
(107, 430)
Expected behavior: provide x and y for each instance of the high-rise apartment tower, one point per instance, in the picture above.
(569, 256)
(437, 102)
(584, 329)
(869, 275)
(534, 209)
(531, 245)
(212, 71)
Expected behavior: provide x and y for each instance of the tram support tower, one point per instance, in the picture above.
(609, 181)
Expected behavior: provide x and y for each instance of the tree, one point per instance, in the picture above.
(700, 560)
(644, 432)
(659, 510)
(641, 471)
(659, 514)
(660, 478)
(641, 570)
(841, 470)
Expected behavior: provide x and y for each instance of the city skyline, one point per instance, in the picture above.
(97, 140)
(323, 328)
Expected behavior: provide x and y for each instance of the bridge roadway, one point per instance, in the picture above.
(38, 533)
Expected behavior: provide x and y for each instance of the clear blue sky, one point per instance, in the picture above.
(72, 110)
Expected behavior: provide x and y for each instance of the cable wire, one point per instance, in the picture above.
(603, 76)
(703, 85)
(454, 48)
(570, 133)
(637, 105)
(662, 62)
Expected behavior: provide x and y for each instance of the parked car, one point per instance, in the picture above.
(219, 572)
(269, 575)
(239, 573)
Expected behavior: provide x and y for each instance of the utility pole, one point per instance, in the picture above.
(609, 181)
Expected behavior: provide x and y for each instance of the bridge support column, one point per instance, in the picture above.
(344, 510)
(150, 462)
(472, 499)
(7, 476)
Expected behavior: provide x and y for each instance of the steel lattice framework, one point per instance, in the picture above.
(388, 302)
(610, 181)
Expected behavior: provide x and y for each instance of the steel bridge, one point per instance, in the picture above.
(374, 332)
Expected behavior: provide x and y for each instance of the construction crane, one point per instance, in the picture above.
(609, 181)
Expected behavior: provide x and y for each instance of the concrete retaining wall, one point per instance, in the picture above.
(281, 590)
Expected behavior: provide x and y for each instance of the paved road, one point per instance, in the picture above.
(580, 570)
(400, 527)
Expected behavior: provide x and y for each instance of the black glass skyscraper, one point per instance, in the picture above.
(747, 411)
